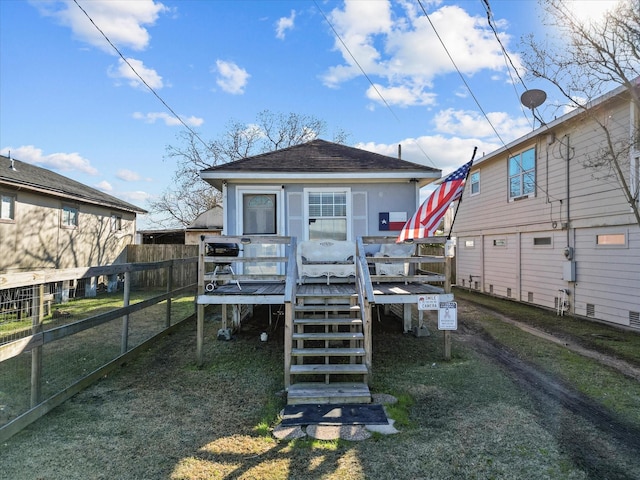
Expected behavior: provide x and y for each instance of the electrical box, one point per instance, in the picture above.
(569, 271)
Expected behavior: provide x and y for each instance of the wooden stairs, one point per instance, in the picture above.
(328, 351)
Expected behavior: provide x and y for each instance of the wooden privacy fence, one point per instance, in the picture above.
(182, 275)
(41, 366)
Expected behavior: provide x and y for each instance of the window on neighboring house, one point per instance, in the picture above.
(474, 180)
(522, 174)
(635, 176)
(69, 216)
(116, 223)
(611, 239)
(542, 241)
(500, 242)
(7, 207)
(469, 243)
(328, 215)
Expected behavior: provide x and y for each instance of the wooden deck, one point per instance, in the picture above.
(327, 337)
(261, 293)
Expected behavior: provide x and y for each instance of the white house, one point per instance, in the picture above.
(538, 224)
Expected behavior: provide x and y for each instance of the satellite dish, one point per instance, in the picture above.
(533, 98)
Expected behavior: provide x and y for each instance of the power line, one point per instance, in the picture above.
(335, 32)
(140, 77)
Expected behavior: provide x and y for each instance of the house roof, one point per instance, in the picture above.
(320, 160)
(30, 177)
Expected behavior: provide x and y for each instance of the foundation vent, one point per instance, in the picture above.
(634, 319)
(591, 310)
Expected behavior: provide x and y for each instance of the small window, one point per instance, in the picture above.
(7, 207)
(474, 180)
(542, 241)
(611, 239)
(522, 174)
(469, 243)
(500, 242)
(69, 216)
(116, 223)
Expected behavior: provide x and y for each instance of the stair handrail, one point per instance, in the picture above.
(366, 300)
(290, 291)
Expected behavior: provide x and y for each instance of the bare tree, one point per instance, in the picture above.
(594, 57)
(189, 196)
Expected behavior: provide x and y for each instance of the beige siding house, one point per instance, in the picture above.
(50, 221)
(537, 224)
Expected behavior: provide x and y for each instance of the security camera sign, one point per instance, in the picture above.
(432, 302)
(448, 316)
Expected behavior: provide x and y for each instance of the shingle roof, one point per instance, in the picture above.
(35, 178)
(321, 156)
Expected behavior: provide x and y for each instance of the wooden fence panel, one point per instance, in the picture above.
(183, 275)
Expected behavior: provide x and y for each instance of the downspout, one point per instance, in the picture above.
(568, 191)
(225, 210)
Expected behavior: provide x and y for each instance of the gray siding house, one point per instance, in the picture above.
(538, 224)
(318, 190)
(50, 221)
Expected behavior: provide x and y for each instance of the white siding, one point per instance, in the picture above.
(501, 265)
(608, 277)
(572, 204)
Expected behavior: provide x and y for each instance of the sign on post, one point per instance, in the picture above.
(448, 316)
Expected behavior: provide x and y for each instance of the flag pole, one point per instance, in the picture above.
(455, 214)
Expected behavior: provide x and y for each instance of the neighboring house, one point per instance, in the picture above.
(207, 223)
(538, 226)
(50, 221)
(318, 190)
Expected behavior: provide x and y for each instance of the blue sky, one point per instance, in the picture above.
(69, 103)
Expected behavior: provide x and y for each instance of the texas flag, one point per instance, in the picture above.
(391, 220)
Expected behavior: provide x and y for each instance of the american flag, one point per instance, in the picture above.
(425, 221)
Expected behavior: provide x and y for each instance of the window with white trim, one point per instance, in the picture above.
(116, 222)
(474, 183)
(327, 212)
(7, 207)
(69, 217)
(611, 240)
(522, 174)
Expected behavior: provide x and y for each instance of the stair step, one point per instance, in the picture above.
(326, 308)
(322, 393)
(327, 352)
(327, 321)
(328, 336)
(336, 369)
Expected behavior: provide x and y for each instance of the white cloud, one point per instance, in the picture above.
(168, 119)
(466, 123)
(231, 78)
(104, 186)
(53, 161)
(127, 175)
(123, 22)
(135, 197)
(284, 24)
(125, 72)
(401, 95)
(400, 46)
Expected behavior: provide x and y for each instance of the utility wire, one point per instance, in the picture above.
(507, 149)
(335, 32)
(140, 77)
(507, 57)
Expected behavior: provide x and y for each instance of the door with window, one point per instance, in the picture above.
(259, 214)
(328, 213)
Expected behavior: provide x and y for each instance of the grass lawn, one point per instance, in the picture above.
(161, 417)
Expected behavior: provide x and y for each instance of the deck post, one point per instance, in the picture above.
(288, 340)
(447, 289)
(200, 309)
